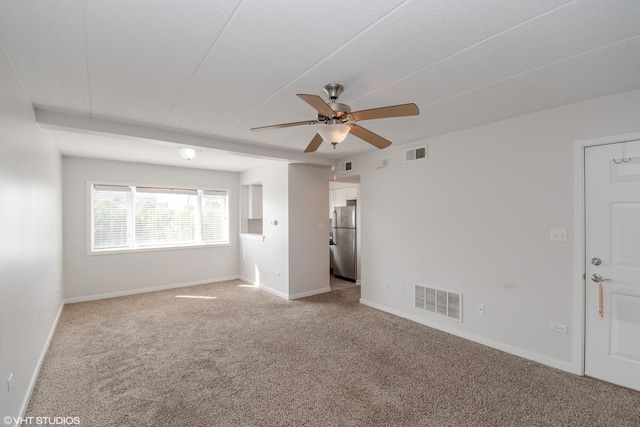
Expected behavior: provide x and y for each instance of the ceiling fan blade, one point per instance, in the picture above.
(286, 125)
(314, 144)
(368, 136)
(384, 112)
(316, 102)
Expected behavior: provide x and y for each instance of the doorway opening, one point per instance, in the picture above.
(345, 233)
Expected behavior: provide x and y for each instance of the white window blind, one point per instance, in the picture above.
(165, 217)
(214, 212)
(110, 216)
(128, 217)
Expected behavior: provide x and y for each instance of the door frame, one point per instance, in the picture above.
(579, 240)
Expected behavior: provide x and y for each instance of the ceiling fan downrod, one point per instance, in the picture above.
(333, 90)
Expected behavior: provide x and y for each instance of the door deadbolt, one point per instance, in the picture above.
(596, 261)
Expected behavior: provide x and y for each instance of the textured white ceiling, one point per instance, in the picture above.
(217, 68)
(148, 151)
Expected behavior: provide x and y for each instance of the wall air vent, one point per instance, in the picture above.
(344, 167)
(413, 154)
(438, 301)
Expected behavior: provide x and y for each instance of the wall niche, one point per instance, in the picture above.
(251, 208)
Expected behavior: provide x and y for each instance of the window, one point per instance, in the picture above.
(129, 217)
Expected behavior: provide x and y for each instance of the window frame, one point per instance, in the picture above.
(132, 246)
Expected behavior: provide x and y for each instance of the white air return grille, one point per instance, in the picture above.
(413, 154)
(344, 167)
(438, 301)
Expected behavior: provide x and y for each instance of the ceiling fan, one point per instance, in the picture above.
(336, 120)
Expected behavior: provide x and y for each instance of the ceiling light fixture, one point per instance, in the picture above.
(186, 153)
(334, 133)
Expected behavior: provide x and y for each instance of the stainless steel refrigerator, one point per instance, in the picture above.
(343, 243)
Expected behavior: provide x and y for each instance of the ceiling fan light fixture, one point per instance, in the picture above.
(186, 153)
(334, 133)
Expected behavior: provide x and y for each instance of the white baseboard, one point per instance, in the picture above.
(516, 351)
(150, 289)
(310, 293)
(249, 281)
(265, 288)
(282, 294)
(36, 372)
(273, 291)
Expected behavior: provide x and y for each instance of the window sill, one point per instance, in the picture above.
(252, 236)
(156, 248)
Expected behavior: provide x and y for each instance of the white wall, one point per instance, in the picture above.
(308, 231)
(266, 262)
(30, 242)
(91, 276)
(292, 258)
(476, 218)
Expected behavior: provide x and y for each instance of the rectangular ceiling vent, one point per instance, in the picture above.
(413, 154)
(344, 167)
(438, 301)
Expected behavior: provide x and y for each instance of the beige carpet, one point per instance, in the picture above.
(242, 357)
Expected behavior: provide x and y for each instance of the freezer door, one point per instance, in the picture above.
(344, 253)
(345, 216)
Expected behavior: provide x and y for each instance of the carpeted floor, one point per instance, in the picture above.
(338, 284)
(239, 356)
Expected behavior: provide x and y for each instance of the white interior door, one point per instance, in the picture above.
(612, 195)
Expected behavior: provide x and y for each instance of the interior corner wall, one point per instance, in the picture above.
(475, 218)
(31, 243)
(308, 231)
(90, 276)
(265, 261)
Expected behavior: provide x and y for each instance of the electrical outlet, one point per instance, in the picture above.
(385, 285)
(559, 234)
(557, 327)
(480, 309)
(9, 381)
(401, 289)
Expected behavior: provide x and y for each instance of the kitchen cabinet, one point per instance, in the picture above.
(255, 202)
(338, 197)
(352, 193)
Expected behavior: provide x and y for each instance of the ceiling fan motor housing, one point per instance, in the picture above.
(341, 113)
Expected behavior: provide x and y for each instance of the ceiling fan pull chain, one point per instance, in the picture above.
(333, 161)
